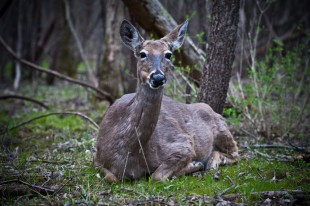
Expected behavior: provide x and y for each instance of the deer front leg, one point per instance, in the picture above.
(109, 176)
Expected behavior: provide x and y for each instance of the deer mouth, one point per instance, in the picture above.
(155, 86)
(156, 80)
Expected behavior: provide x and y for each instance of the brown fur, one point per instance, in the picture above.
(147, 132)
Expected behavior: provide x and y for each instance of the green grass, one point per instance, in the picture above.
(55, 152)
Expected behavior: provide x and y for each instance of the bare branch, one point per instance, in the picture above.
(147, 166)
(297, 194)
(56, 113)
(123, 176)
(23, 98)
(275, 146)
(36, 188)
(232, 184)
(104, 94)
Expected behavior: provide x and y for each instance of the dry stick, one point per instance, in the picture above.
(232, 184)
(38, 188)
(56, 113)
(104, 94)
(263, 154)
(266, 194)
(133, 191)
(147, 166)
(49, 162)
(270, 158)
(274, 146)
(23, 98)
(125, 169)
(78, 42)
(42, 196)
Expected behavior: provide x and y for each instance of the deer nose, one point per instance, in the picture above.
(157, 79)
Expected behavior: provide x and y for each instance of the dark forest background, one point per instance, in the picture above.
(48, 47)
(80, 39)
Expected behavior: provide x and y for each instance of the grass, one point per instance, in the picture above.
(55, 152)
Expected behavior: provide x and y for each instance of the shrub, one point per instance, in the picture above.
(274, 100)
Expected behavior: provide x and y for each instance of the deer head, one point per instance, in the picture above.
(154, 57)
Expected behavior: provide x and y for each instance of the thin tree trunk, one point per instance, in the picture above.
(18, 46)
(89, 70)
(109, 71)
(220, 54)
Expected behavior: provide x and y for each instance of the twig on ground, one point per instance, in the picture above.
(271, 158)
(280, 193)
(263, 154)
(37, 188)
(23, 98)
(49, 162)
(42, 196)
(104, 94)
(270, 194)
(232, 184)
(218, 197)
(133, 191)
(301, 149)
(275, 146)
(56, 113)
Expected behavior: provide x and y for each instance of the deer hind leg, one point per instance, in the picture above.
(192, 167)
(178, 163)
(225, 150)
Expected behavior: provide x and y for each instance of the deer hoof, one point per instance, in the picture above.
(194, 167)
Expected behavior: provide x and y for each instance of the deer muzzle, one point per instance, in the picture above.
(157, 79)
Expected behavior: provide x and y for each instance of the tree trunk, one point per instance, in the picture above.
(109, 75)
(220, 54)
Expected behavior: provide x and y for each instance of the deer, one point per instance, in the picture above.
(147, 133)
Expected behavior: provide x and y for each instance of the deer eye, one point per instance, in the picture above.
(143, 54)
(168, 55)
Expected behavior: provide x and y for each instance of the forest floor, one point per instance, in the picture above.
(49, 162)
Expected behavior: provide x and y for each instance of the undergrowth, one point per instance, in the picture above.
(274, 101)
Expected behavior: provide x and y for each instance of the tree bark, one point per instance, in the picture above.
(220, 54)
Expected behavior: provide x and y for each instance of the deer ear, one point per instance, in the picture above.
(176, 37)
(130, 36)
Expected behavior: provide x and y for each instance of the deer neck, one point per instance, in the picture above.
(146, 108)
